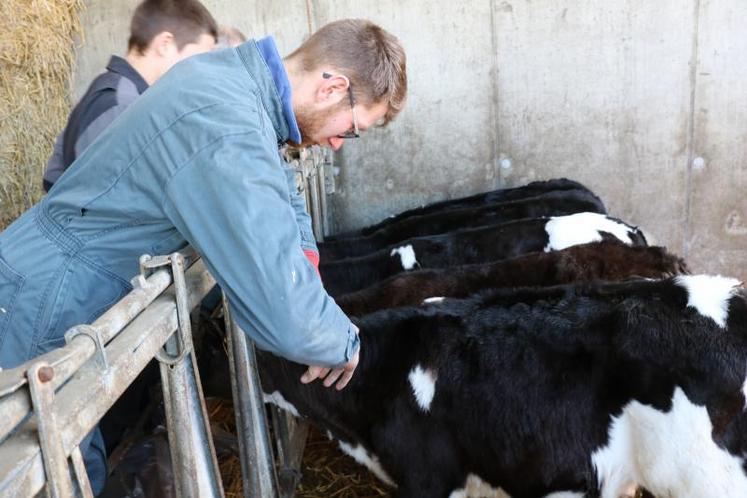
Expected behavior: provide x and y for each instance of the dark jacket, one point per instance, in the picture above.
(106, 98)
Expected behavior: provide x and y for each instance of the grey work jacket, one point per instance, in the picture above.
(193, 160)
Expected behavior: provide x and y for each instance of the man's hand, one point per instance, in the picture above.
(345, 373)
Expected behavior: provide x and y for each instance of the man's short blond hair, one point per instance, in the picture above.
(373, 60)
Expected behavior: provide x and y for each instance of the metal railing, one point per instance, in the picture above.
(315, 181)
(49, 404)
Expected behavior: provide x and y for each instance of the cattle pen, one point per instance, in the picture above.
(551, 234)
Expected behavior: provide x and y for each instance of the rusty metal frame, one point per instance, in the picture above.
(182, 342)
(59, 482)
(68, 391)
(95, 335)
(192, 451)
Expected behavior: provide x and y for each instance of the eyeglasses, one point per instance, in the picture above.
(353, 132)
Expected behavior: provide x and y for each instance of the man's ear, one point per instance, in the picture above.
(333, 89)
(163, 44)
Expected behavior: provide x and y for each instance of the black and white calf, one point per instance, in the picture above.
(477, 200)
(555, 203)
(477, 245)
(607, 260)
(573, 391)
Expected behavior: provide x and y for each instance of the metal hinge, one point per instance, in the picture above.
(173, 351)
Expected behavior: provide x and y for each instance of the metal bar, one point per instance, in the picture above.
(183, 340)
(56, 468)
(322, 183)
(312, 184)
(84, 485)
(15, 403)
(107, 325)
(88, 394)
(192, 452)
(290, 438)
(257, 466)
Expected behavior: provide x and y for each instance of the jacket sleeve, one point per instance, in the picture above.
(231, 202)
(308, 241)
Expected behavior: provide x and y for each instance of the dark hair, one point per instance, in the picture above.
(185, 19)
(373, 59)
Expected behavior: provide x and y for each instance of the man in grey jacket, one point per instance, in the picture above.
(162, 33)
(194, 160)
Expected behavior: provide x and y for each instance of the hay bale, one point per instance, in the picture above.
(37, 54)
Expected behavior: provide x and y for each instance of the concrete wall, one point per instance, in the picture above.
(645, 102)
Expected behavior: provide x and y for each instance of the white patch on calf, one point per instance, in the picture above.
(370, 461)
(429, 300)
(278, 400)
(423, 384)
(582, 228)
(406, 256)
(613, 463)
(477, 488)
(709, 294)
(668, 453)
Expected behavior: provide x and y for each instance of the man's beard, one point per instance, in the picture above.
(310, 122)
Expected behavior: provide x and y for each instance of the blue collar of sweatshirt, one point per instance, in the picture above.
(269, 52)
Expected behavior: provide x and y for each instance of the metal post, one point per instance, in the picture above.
(84, 485)
(59, 483)
(192, 452)
(312, 184)
(257, 466)
(290, 440)
(322, 168)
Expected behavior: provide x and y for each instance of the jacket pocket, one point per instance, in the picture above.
(85, 292)
(10, 286)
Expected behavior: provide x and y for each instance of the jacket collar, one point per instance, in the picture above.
(264, 65)
(120, 66)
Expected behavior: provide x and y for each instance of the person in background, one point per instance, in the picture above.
(162, 33)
